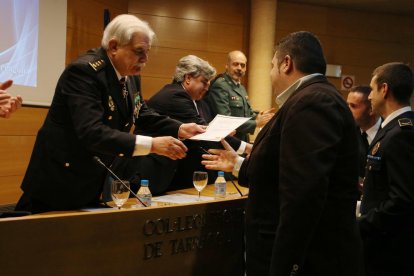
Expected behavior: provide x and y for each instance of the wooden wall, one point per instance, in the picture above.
(85, 24)
(359, 41)
(17, 136)
(205, 28)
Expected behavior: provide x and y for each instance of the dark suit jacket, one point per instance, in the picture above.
(227, 98)
(88, 116)
(387, 207)
(302, 174)
(172, 100)
(363, 151)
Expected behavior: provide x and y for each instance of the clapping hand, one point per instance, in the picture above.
(264, 116)
(8, 103)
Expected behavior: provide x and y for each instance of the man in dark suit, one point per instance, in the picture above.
(91, 115)
(387, 207)
(367, 121)
(182, 101)
(300, 217)
(227, 96)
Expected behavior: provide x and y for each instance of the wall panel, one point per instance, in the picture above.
(206, 28)
(15, 153)
(229, 11)
(26, 121)
(10, 189)
(85, 24)
(357, 40)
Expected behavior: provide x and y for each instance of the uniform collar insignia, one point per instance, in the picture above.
(97, 64)
(405, 122)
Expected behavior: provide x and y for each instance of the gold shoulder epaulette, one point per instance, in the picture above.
(405, 123)
(97, 64)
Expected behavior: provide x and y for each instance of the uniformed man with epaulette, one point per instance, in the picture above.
(96, 102)
(387, 208)
(227, 96)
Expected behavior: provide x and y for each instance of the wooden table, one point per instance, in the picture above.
(203, 238)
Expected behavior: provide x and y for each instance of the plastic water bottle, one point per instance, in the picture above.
(144, 193)
(220, 186)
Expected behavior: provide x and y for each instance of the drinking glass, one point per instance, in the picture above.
(200, 181)
(119, 192)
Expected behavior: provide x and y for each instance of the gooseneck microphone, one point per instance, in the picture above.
(99, 161)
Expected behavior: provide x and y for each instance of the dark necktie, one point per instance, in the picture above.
(122, 81)
(364, 138)
(124, 88)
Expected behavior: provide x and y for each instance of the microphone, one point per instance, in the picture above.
(99, 161)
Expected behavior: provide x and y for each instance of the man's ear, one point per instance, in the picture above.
(287, 64)
(187, 78)
(112, 45)
(385, 90)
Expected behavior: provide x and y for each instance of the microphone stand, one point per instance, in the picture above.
(99, 161)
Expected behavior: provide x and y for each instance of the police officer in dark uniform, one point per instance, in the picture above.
(97, 100)
(387, 207)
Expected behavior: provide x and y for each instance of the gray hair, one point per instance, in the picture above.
(193, 66)
(122, 27)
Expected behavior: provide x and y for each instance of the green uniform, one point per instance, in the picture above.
(227, 98)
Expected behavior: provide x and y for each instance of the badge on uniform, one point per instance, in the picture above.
(111, 104)
(97, 64)
(405, 122)
(137, 105)
(376, 148)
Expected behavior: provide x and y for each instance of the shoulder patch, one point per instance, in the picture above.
(219, 79)
(97, 64)
(405, 123)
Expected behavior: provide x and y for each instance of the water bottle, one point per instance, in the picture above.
(220, 186)
(144, 193)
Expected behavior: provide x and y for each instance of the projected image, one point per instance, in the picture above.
(19, 41)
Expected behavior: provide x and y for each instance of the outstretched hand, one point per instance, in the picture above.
(169, 147)
(190, 129)
(220, 160)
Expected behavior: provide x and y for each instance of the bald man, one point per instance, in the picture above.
(227, 96)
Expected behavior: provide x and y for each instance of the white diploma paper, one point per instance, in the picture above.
(220, 127)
